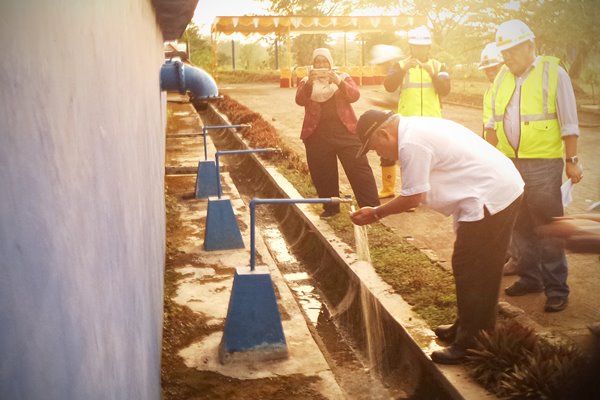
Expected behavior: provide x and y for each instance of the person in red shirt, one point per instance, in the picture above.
(329, 133)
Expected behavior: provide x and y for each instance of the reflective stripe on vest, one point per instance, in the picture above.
(540, 130)
(488, 101)
(418, 96)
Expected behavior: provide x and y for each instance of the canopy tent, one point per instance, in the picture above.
(286, 25)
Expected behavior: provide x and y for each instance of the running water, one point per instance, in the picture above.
(361, 241)
(373, 328)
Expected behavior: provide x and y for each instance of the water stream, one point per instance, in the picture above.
(362, 242)
(354, 370)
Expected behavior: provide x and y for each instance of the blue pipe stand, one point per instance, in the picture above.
(222, 231)
(207, 178)
(253, 329)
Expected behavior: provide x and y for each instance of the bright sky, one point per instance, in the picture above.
(207, 10)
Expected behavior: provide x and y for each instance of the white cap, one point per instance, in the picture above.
(419, 36)
(382, 53)
(490, 56)
(511, 33)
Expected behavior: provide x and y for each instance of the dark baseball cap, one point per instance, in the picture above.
(367, 124)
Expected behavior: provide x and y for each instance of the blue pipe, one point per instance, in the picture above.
(255, 201)
(175, 75)
(207, 127)
(218, 153)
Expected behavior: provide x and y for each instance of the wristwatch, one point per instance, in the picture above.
(573, 160)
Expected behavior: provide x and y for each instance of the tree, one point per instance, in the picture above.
(252, 56)
(568, 29)
(199, 48)
(303, 45)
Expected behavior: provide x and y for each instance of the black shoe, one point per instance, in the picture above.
(446, 333)
(519, 289)
(555, 304)
(327, 214)
(449, 355)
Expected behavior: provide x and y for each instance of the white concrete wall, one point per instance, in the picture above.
(82, 223)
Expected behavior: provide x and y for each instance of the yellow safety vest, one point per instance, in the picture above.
(417, 95)
(540, 129)
(487, 105)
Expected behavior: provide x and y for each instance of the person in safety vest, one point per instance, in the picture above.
(534, 122)
(422, 81)
(455, 172)
(490, 63)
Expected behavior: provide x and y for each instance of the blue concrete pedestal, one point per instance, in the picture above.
(206, 179)
(253, 330)
(222, 231)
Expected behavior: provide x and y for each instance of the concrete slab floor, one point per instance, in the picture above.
(206, 290)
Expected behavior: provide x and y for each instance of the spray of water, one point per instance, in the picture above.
(361, 241)
(374, 332)
(374, 336)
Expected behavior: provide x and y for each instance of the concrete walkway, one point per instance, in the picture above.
(206, 290)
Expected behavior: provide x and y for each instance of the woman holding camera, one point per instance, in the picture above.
(329, 133)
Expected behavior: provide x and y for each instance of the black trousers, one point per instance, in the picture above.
(322, 152)
(477, 261)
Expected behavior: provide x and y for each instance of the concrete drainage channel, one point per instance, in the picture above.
(367, 332)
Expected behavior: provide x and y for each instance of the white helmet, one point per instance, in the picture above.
(419, 36)
(382, 53)
(490, 56)
(512, 33)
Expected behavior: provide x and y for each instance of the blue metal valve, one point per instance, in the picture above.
(255, 201)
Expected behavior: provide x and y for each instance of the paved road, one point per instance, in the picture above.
(433, 232)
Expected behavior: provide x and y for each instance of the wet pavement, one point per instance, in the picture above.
(206, 289)
(433, 233)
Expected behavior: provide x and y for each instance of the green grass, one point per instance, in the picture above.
(422, 283)
(241, 76)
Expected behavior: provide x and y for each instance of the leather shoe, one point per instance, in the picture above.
(554, 304)
(328, 214)
(449, 355)
(519, 289)
(446, 333)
